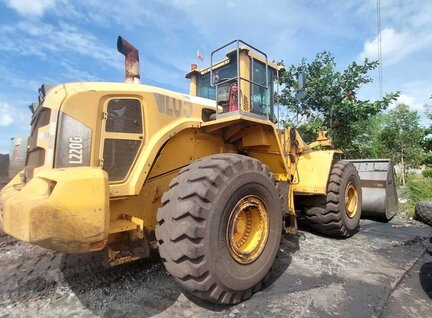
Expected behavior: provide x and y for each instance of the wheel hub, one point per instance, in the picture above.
(351, 200)
(247, 230)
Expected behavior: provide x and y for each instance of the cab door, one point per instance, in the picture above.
(122, 136)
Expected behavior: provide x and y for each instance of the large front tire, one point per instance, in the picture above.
(220, 227)
(338, 213)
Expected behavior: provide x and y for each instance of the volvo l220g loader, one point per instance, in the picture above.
(208, 179)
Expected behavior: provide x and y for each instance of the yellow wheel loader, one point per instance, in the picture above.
(208, 179)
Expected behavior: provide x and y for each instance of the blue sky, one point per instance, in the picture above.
(54, 41)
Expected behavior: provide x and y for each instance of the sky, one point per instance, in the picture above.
(56, 41)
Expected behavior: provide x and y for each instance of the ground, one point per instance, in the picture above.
(383, 271)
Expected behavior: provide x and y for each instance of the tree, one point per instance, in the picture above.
(427, 139)
(331, 101)
(366, 143)
(401, 138)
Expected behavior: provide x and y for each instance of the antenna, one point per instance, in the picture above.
(380, 68)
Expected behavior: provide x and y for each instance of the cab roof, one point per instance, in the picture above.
(231, 54)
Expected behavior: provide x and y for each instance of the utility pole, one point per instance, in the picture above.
(379, 43)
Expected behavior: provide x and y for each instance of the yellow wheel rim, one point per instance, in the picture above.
(351, 200)
(247, 230)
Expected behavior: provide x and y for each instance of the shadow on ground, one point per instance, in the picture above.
(142, 288)
(137, 289)
(425, 277)
(289, 245)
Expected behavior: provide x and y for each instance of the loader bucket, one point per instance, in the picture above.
(379, 196)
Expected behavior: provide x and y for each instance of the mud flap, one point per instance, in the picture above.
(378, 187)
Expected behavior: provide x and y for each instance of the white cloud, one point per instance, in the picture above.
(18, 80)
(414, 99)
(416, 95)
(126, 13)
(35, 8)
(395, 45)
(76, 74)
(5, 115)
(405, 30)
(408, 100)
(47, 40)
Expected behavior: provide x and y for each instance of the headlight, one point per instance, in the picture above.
(73, 143)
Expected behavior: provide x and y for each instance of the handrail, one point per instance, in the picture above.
(239, 77)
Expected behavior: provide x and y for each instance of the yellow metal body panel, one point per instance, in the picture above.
(193, 85)
(61, 209)
(178, 152)
(85, 209)
(245, 86)
(165, 114)
(47, 134)
(313, 172)
(255, 137)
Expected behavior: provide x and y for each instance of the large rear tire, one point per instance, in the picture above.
(220, 227)
(338, 213)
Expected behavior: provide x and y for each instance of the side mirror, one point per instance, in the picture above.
(301, 82)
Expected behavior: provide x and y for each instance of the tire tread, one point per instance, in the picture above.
(423, 212)
(181, 243)
(325, 217)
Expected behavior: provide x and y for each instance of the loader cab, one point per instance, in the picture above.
(243, 81)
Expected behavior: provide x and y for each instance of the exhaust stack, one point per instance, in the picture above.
(132, 69)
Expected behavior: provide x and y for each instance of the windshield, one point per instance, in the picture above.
(262, 98)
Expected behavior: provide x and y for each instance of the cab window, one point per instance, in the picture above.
(261, 98)
(124, 116)
(204, 89)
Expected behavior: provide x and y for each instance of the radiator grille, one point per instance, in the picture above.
(119, 155)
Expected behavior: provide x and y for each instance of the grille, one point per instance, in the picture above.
(119, 155)
(36, 155)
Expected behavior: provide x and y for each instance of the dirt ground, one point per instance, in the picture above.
(383, 271)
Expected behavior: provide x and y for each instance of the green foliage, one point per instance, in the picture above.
(401, 137)
(427, 139)
(427, 159)
(427, 173)
(367, 143)
(418, 189)
(331, 100)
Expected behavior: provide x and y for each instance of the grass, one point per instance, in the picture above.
(418, 188)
